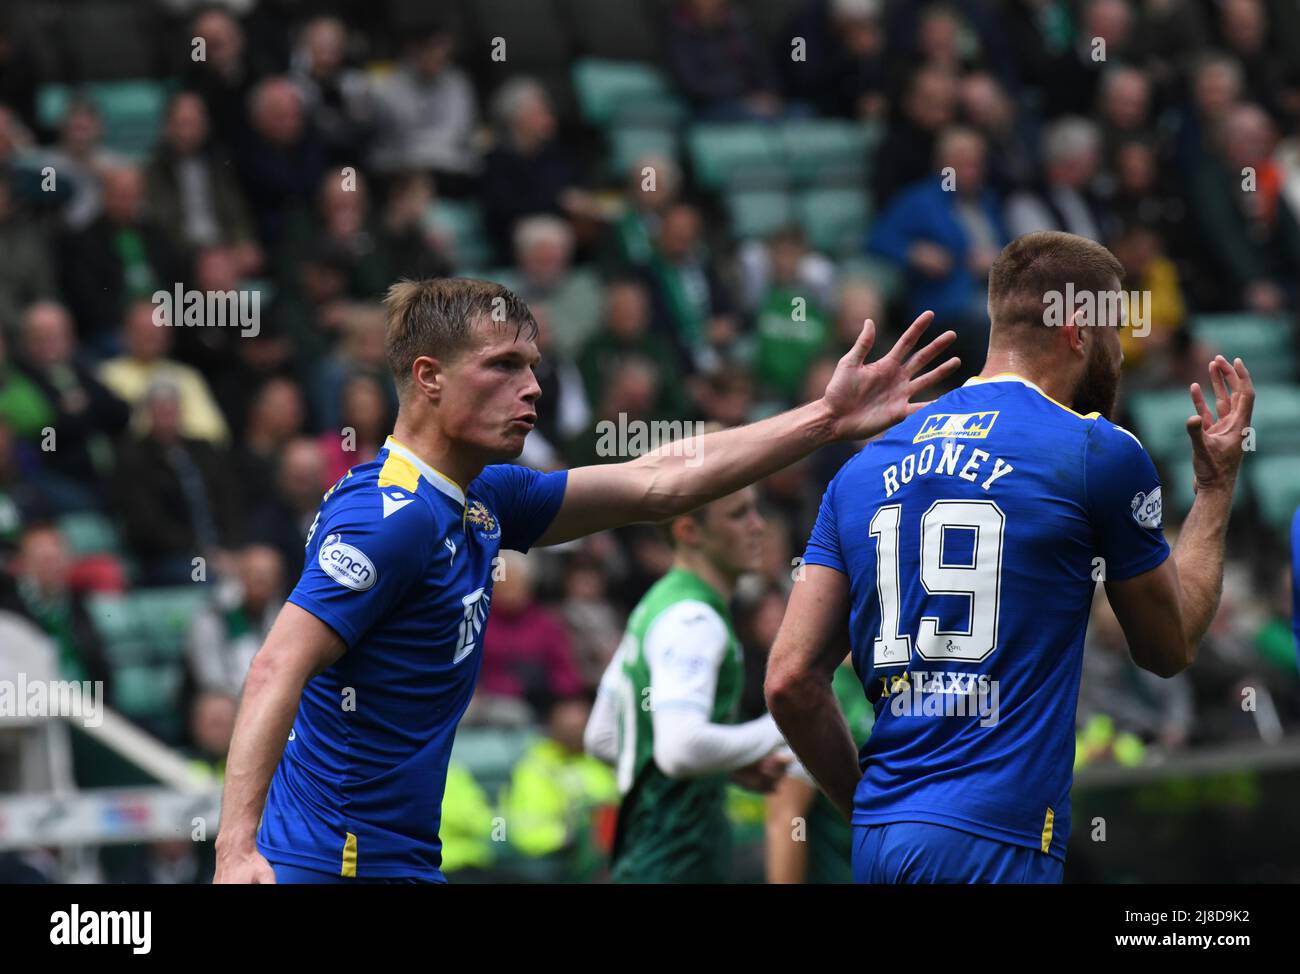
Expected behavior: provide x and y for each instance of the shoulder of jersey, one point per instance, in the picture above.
(389, 492)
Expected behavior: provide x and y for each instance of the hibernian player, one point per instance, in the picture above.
(961, 550)
(665, 712)
(345, 728)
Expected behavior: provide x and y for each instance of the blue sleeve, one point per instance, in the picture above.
(1124, 502)
(824, 542)
(524, 501)
(898, 227)
(359, 565)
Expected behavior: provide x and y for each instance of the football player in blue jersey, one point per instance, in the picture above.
(957, 555)
(339, 756)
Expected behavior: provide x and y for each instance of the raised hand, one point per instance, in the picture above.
(1217, 443)
(866, 399)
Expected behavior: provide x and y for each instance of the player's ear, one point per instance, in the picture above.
(427, 375)
(1076, 333)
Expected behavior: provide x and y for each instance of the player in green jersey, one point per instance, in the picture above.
(665, 708)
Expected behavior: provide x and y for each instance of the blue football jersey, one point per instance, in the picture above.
(973, 535)
(399, 564)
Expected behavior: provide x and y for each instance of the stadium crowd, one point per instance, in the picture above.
(687, 257)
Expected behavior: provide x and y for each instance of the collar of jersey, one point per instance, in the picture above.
(1012, 377)
(440, 482)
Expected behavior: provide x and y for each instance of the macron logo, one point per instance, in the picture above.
(395, 501)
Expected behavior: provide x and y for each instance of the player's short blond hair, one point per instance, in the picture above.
(437, 317)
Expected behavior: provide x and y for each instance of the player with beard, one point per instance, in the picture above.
(961, 550)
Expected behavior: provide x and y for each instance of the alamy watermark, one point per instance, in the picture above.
(24, 698)
(188, 308)
(1099, 308)
(942, 694)
(631, 438)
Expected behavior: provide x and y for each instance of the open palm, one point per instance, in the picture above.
(868, 398)
(1217, 443)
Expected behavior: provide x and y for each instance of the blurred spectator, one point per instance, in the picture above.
(415, 246)
(1124, 109)
(726, 395)
(465, 828)
(87, 415)
(623, 336)
(275, 418)
(226, 633)
(1148, 272)
(653, 185)
(526, 647)
(557, 792)
(425, 114)
(528, 171)
(283, 518)
(360, 350)
(1064, 200)
(192, 192)
(211, 726)
(24, 408)
(946, 241)
(1246, 222)
(1142, 196)
(987, 108)
(856, 300)
(720, 64)
(843, 70)
(1104, 37)
(280, 158)
(928, 106)
(689, 299)
(544, 274)
(41, 591)
(366, 423)
(630, 394)
(223, 77)
(334, 95)
(1244, 27)
(145, 363)
(81, 160)
(175, 495)
(27, 271)
(594, 624)
(785, 250)
(121, 257)
(1215, 89)
(791, 321)
(344, 223)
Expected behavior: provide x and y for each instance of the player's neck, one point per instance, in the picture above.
(706, 571)
(1049, 380)
(438, 452)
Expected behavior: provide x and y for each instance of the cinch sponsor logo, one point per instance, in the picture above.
(962, 426)
(346, 564)
(1148, 509)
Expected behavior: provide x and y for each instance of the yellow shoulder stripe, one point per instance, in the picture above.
(397, 471)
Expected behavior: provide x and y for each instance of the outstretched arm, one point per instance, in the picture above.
(861, 400)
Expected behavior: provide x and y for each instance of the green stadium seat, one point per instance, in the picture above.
(827, 153)
(736, 156)
(1160, 416)
(88, 533)
(834, 220)
(1266, 343)
(1275, 481)
(490, 753)
(146, 691)
(630, 143)
(148, 625)
(1276, 418)
(626, 91)
(132, 111)
(464, 224)
(882, 273)
(757, 213)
